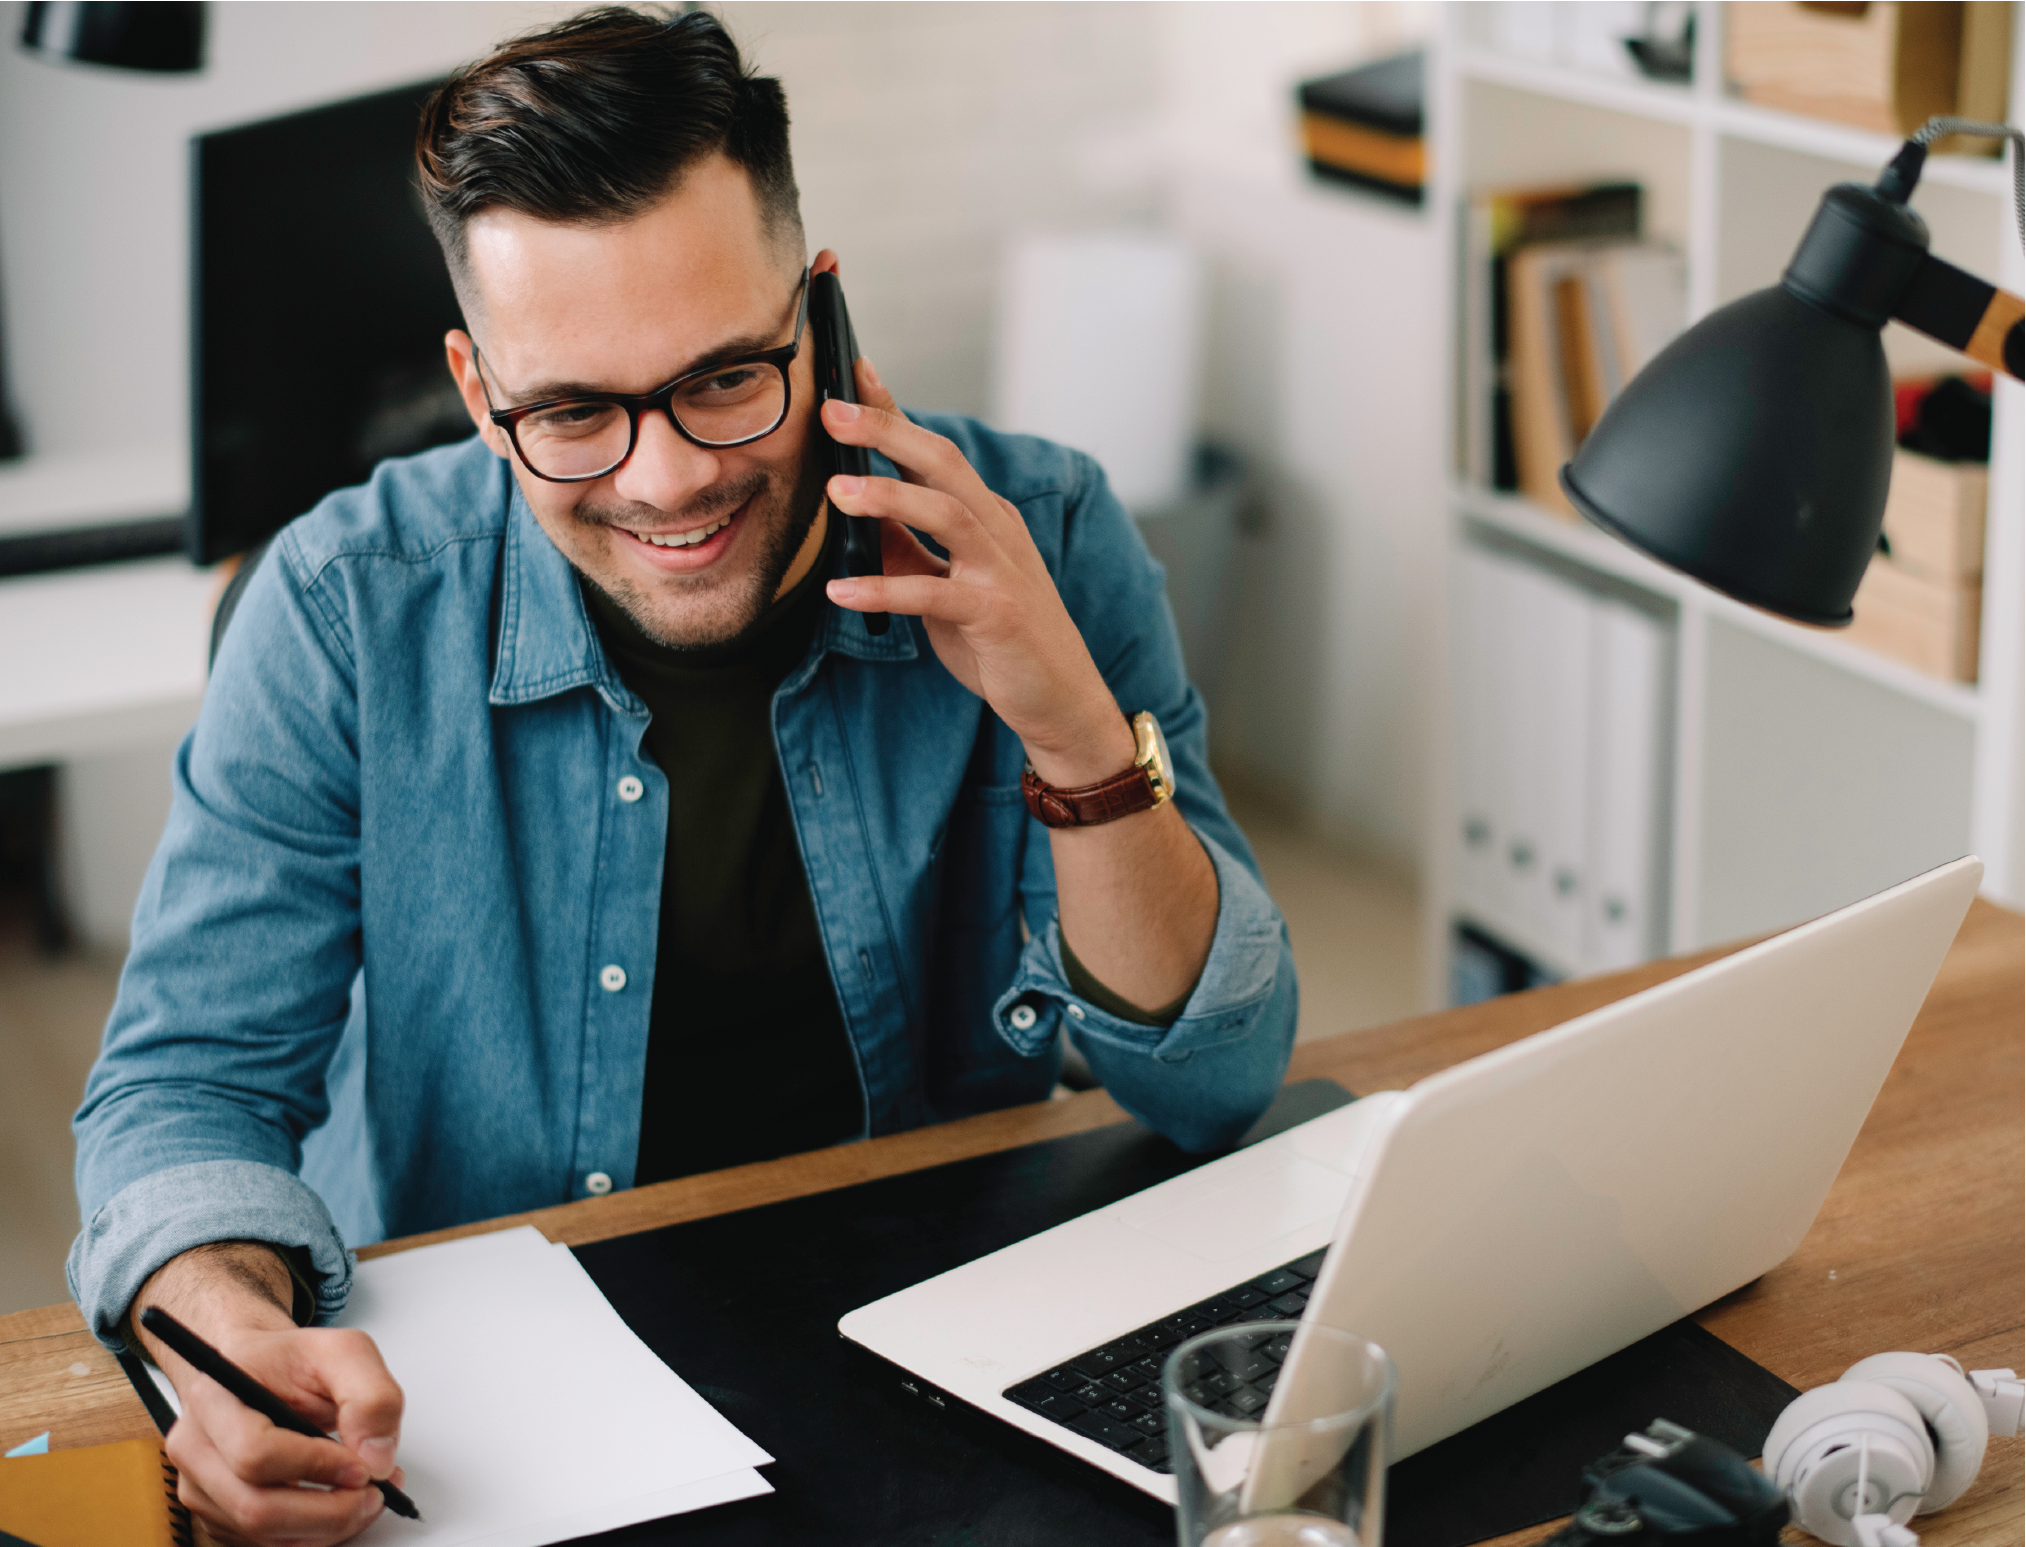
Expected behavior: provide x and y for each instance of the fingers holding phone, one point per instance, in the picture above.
(871, 390)
(991, 610)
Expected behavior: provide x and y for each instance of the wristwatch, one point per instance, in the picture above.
(1141, 787)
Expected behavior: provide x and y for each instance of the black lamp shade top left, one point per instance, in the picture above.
(163, 35)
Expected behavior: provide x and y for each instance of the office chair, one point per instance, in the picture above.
(228, 599)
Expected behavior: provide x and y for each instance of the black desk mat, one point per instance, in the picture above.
(745, 1306)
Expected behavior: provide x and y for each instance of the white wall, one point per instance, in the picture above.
(923, 134)
(1325, 368)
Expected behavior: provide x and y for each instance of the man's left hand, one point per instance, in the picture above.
(991, 608)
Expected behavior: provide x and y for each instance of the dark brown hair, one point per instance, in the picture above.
(594, 120)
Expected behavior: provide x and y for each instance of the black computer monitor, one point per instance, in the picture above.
(319, 301)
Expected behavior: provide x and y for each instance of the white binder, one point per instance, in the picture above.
(1551, 654)
(1512, 678)
(1480, 632)
(1628, 735)
(1560, 743)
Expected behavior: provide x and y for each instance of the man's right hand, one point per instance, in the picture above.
(239, 1473)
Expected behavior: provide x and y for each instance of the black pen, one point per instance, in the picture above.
(208, 1361)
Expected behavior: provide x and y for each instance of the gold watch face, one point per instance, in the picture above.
(1152, 754)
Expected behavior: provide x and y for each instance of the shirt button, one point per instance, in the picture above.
(597, 1184)
(1075, 1010)
(612, 978)
(631, 789)
(1022, 1017)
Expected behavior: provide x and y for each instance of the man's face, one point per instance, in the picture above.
(563, 310)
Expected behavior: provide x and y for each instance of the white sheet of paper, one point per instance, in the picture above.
(534, 1414)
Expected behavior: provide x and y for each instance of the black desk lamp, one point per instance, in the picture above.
(163, 35)
(1754, 452)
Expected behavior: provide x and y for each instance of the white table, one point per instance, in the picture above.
(101, 659)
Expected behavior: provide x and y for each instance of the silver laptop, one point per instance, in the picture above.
(1496, 1226)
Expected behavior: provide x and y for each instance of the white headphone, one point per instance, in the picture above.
(1895, 1435)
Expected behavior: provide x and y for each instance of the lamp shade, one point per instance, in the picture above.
(165, 35)
(1753, 453)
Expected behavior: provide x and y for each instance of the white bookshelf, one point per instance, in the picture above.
(1865, 770)
(1700, 106)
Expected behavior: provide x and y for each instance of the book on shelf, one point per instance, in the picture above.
(1887, 67)
(1496, 224)
(1481, 967)
(1363, 126)
(1583, 320)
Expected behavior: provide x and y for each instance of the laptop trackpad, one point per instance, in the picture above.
(1231, 1216)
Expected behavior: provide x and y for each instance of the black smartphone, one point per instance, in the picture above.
(836, 354)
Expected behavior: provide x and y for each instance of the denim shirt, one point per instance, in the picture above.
(393, 961)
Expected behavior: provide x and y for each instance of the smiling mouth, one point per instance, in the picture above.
(681, 539)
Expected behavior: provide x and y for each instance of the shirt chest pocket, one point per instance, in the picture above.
(980, 855)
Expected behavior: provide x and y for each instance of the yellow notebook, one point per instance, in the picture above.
(95, 1496)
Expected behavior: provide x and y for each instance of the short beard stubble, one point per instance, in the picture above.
(743, 599)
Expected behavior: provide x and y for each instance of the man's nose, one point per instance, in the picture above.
(665, 470)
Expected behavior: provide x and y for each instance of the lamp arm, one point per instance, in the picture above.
(1940, 300)
(1965, 313)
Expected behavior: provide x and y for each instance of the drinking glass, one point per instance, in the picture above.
(1279, 1434)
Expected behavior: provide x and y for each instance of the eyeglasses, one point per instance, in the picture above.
(731, 403)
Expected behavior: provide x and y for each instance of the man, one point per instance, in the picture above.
(554, 823)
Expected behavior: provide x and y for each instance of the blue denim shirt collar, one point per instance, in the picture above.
(547, 644)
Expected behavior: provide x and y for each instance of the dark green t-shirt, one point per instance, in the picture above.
(747, 1055)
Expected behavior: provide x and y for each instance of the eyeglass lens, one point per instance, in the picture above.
(576, 439)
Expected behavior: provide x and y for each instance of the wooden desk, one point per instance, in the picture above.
(1919, 1246)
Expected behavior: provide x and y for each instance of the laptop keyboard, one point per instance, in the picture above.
(1113, 1394)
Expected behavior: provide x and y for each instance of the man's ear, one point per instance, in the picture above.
(825, 262)
(462, 356)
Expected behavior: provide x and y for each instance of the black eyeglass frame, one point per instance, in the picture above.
(663, 398)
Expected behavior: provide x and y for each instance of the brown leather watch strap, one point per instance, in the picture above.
(1091, 804)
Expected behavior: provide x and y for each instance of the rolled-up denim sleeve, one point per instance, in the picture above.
(1203, 1080)
(246, 945)
(168, 1212)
